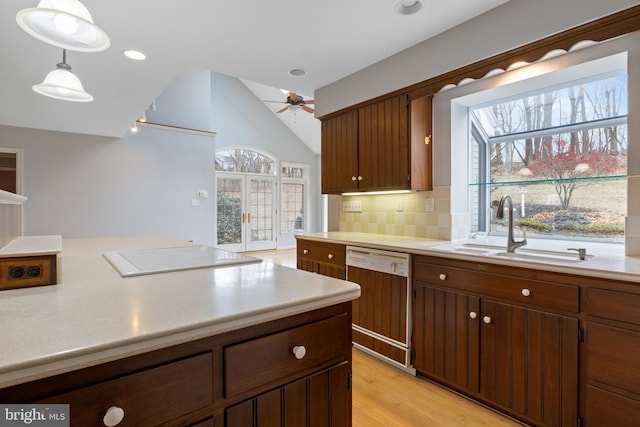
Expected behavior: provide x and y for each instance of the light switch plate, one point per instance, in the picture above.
(352, 206)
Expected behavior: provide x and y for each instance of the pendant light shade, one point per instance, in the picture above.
(64, 23)
(62, 84)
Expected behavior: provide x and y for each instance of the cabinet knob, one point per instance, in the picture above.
(330, 256)
(473, 315)
(305, 251)
(442, 276)
(486, 319)
(360, 178)
(113, 416)
(526, 292)
(299, 352)
(353, 178)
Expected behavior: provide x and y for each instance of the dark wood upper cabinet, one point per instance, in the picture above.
(385, 145)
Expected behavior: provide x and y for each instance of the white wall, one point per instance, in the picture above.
(143, 184)
(513, 24)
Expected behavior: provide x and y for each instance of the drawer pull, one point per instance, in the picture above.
(113, 416)
(473, 315)
(330, 256)
(526, 292)
(299, 352)
(306, 251)
(486, 319)
(443, 276)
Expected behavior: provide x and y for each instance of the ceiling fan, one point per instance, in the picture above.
(295, 102)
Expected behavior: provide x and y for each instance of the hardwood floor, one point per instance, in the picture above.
(384, 396)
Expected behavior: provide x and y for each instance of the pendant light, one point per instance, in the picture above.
(62, 84)
(64, 23)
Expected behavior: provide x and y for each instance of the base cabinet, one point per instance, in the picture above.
(328, 259)
(519, 359)
(612, 346)
(202, 383)
(321, 400)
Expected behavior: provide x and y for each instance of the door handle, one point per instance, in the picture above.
(243, 218)
(249, 217)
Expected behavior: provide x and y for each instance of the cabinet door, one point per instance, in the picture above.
(383, 145)
(339, 155)
(446, 336)
(421, 143)
(529, 363)
(320, 400)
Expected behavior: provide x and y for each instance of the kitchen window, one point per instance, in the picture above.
(560, 151)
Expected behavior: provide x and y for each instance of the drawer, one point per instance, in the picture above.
(258, 362)
(328, 253)
(606, 409)
(543, 294)
(612, 356)
(614, 305)
(147, 398)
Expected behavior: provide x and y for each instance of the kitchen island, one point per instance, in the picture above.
(218, 343)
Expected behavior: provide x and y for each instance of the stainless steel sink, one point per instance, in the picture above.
(522, 254)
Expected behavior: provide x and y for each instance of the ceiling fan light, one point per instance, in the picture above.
(62, 84)
(63, 23)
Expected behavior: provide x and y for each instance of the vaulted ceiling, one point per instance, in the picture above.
(257, 41)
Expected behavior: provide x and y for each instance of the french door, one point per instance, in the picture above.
(246, 212)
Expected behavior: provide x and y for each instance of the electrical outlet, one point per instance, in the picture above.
(430, 205)
(399, 205)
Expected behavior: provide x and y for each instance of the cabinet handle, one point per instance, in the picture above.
(113, 416)
(243, 218)
(360, 178)
(486, 319)
(330, 256)
(442, 276)
(299, 352)
(526, 292)
(353, 178)
(427, 140)
(305, 251)
(473, 315)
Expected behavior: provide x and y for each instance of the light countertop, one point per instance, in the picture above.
(604, 260)
(93, 315)
(32, 245)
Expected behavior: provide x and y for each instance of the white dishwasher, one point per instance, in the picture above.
(382, 314)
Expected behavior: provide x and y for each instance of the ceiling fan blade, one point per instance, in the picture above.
(293, 96)
(279, 102)
(282, 109)
(311, 101)
(307, 109)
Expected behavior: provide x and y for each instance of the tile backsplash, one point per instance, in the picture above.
(405, 215)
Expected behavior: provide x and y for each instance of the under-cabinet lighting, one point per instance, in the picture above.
(377, 193)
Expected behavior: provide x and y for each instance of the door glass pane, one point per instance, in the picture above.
(261, 210)
(229, 210)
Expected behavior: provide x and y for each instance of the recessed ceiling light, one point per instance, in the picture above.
(134, 54)
(408, 7)
(297, 72)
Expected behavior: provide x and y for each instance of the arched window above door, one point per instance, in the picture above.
(244, 160)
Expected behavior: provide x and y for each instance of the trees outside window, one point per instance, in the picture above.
(561, 152)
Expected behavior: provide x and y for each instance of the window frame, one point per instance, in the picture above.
(305, 195)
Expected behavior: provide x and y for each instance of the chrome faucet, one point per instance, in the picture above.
(511, 243)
